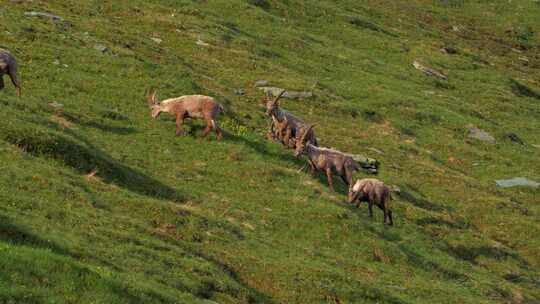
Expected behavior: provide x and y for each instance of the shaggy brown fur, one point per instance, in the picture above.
(189, 106)
(372, 191)
(327, 160)
(8, 65)
(289, 124)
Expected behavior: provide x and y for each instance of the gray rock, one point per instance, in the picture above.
(517, 181)
(101, 48)
(43, 15)
(274, 91)
(156, 40)
(239, 92)
(515, 138)
(449, 50)
(261, 83)
(376, 150)
(481, 135)
(201, 43)
(429, 71)
(56, 105)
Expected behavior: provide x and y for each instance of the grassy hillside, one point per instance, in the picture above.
(101, 204)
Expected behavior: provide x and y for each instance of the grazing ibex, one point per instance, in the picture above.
(285, 126)
(8, 65)
(189, 106)
(327, 160)
(372, 191)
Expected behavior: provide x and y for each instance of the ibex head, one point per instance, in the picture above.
(272, 105)
(154, 104)
(301, 143)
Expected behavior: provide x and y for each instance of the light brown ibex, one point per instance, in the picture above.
(285, 126)
(372, 191)
(8, 65)
(189, 106)
(327, 160)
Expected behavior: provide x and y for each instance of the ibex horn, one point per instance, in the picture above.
(306, 133)
(279, 96)
(152, 98)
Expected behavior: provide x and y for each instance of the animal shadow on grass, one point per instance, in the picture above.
(255, 296)
(441, 222)
(98, 125)
(86, 158)
(262, 148)
(417, 260)
(414, 196)
(470, 254)
(10, 232)
(375, 296)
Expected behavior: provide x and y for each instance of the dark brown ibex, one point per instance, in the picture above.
(327, 160)
(372, 191)
(285, 126)
(189, 106)
(8, 65)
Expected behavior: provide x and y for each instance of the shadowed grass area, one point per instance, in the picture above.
(102, 204)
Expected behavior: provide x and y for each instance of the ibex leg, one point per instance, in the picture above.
(329, 177)
(179, 122)
(209, 127)
(217, 129)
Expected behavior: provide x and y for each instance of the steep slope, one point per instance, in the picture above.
(102, 204)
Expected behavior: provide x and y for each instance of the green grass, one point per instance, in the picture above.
(188, 220)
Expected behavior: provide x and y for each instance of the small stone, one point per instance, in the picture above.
(517, 181)
(56, 105)
(376, 150)
(480, 135)
(239, 92)
(44, 15)
(261, 83)
(516, 50)
(428, 71)
(275, 91)
(156, 40)
(201, 43)
(101, 48)
(449, 50)
(513, 137)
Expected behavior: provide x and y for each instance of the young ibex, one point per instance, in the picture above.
(8, 65)
(327, 160)
(372, 191)
(285, 126)
(189, 106)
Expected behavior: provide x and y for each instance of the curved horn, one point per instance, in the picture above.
(305, 135)
(278, 96)
(151, 98)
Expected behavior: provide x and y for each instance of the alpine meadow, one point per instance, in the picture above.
(102, 203)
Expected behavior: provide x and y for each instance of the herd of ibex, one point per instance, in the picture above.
(286, 128)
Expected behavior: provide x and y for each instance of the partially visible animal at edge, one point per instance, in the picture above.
(189, 106)
(374, 192)
(285, 127)
(8, 65)
(326, 160)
